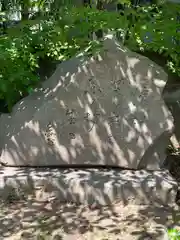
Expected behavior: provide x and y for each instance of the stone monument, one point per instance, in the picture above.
(102, 111)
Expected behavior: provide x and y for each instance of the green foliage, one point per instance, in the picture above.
(16, 70)
(158, 32)
(174, 234)
(59, 39)
(66, 33)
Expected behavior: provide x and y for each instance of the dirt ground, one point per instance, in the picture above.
(53, 220)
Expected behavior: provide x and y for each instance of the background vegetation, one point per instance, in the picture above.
(48, 31)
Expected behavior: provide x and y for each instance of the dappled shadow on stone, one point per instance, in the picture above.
(90, 186)
(106, 110)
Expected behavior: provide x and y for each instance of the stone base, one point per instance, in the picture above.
(89, 186)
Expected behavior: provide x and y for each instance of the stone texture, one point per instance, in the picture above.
(96, 187)
(106, 110)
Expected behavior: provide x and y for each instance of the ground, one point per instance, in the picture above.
(29, 219)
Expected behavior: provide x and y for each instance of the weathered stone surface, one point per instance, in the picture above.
(106, 110)
(90, 186)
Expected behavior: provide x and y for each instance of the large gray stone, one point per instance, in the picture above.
(105, 110)
(89, 186)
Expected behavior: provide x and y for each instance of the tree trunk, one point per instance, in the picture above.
(99, 6)
(87, 3)
(25, 9)
(4, 9)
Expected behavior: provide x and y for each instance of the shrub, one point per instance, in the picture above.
(158, 31)
(151, 28)
(16, 68)
(173, 234)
